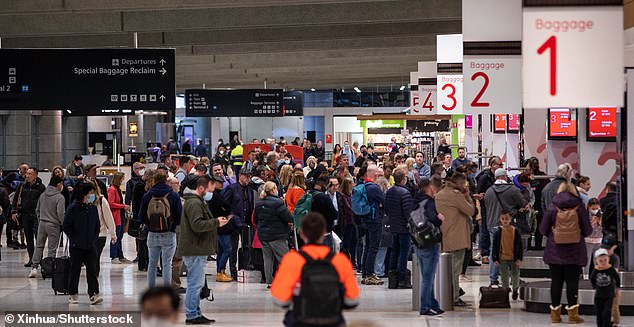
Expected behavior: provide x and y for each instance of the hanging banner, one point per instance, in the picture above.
(573, 53)
(427, 71)
(449, 79)
(492, 30)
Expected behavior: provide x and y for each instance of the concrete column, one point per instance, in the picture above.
(18, 138)
(74, 137)
(49, 139)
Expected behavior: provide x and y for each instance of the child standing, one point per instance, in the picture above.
(605, 280)
(594, 240)
(609, 243)
(508, 253)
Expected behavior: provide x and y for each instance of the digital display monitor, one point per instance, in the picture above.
(513, 123)
(601, 124)
(499, 123)
(468, 121)
(562, 124)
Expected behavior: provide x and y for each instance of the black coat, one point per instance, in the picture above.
(323, 204)
(609, 208)
(29, 193)
(272, 218)
(398, 206)
(81, 224)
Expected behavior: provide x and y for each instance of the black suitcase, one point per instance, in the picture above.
(61, 275)
(47, 267)
(494, 298)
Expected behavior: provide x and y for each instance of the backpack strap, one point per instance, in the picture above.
(329, 257)
(306, 256)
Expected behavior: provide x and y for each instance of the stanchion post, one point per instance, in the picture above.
(416, 281)
(443, 284)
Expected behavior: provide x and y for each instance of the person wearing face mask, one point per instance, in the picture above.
(159, 307)
(311, 164)
(138, 170)
(197, 239)
(118, 214)
(50, 212)
(222, 157)
(81, 224)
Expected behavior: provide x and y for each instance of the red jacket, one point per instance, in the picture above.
(116, 204)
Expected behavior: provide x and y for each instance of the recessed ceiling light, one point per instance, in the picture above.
(357, 89)
(312, 90)
(402, 87)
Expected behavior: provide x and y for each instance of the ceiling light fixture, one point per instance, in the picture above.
(402, 87)
(357, 89)
(312, 90)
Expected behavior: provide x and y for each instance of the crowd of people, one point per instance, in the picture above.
(251, 213)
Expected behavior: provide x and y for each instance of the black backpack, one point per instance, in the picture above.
(424, 234)
(320, 299)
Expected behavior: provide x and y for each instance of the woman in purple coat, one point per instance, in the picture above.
(565, 260)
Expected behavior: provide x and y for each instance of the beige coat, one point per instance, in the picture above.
(457, 209)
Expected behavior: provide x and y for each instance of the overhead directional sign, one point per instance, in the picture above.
(234, 103)
(573, 53)
(87, 81)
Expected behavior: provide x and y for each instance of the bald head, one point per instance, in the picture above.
(372, 172)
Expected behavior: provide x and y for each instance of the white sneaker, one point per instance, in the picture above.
(464, 278)
(33, 273)
(73, 299)
(96, 299)
(125, 261)
(116, 261)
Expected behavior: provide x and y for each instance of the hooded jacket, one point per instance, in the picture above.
(81, 224)
(29, 193)
(51, 206)
(501, 197)
(160, 190)
(565, 254)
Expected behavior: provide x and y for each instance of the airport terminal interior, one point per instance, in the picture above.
(314, 163)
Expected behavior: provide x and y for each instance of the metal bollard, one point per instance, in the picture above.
(443, 284)
(416, 281)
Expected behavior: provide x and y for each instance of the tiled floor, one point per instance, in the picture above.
(247, 304)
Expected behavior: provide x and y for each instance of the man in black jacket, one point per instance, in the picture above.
(241, 199)
(322, 203)
(486, 179)
(609, 208)
(24, 208)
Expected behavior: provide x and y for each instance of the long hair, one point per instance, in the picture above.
(117, 178)
(298, 180)
(148, 177)
(346, 186)
(285, 175)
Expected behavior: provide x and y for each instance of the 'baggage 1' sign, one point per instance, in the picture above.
(573, 55)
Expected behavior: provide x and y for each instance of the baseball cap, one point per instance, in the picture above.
(600, 252)
(218, 179)
(500, 172)
(608, 241)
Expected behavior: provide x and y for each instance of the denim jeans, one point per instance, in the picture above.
(379, 262)
(116, 251)
(164, 245)
(195, 281)
(494, 270)
(373, 240)
(427, 261)
(485, 241)
(224, 251)
(400, 251)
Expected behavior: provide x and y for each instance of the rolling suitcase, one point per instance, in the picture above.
(47, 267)
(494, 298)
(61, 272)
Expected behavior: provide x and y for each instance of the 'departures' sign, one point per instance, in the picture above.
(87, 81)
(572, 53)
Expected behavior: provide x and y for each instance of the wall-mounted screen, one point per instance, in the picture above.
(562, 124)
(499, 123)
(601, 124)
(513, 122)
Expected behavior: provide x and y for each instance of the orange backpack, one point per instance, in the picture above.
(566, 229)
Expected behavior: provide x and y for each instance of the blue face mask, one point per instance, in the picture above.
(91, 198)
(208, 196)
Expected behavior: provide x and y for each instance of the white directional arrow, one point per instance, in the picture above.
(162, 62)
(163, 71)
(162, 97)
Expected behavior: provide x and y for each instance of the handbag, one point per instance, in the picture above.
(494, 297)
(137, 229)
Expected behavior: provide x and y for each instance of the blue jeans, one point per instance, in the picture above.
(400, 251)
(164, 245)
(224, 251)
(371, 248)
(116, 251)
(379, 263)
(494, 270)
(195, 281)
(427, 261)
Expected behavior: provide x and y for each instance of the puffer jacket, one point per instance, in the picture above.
(398, 206)
(51, 206)
(565, 254)
(29, 193)
(81, 224)
(272, 219)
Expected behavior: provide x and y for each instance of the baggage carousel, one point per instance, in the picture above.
(533, 265)
(536, 296)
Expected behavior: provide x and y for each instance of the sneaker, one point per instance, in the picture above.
(198, 321)
(477, 258)
(438, 311)
(373, 280)
(515, 295)
(429, 313)
(180, 290)
(33, 273)
(96, 299)
(135, 260)
(125, 261)
(460, 303)
(465, 279)
(210, 320)
(73, 299)
(494, 283)
(116, 261)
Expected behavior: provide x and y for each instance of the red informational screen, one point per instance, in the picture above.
(602, 124)
(562, 124)
(468, 121)
(514, 123)
(499, 124)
